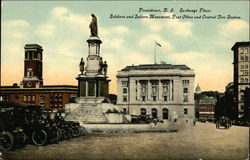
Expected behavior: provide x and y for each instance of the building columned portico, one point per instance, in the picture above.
(163, 91)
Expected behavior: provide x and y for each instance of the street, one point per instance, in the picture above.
(202, 141)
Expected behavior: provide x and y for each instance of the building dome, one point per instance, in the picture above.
(197, 89)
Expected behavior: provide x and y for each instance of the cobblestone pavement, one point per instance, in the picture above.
(200, 142)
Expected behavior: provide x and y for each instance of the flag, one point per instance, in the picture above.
(158, 44)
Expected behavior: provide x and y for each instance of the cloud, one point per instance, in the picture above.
(153, 25)
(191, 56)
(19, 23)
(15, 29)
(64, 15)
(46, 30)
(176, 26)
(59, 11)
(121, 30)
(233, 27)
(180, 28)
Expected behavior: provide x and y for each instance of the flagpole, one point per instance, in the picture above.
(155, 53)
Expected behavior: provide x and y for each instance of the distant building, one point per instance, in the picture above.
(205, 108)
(241, 73)
(32, 90)
(163, 91)
(197, 89)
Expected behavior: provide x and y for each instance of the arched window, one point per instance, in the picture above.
(29, 72)
(154, 113)
(185, 90)
(143, 111)
(242, 80)
(165, 113)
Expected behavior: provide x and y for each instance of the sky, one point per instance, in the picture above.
(62, 28)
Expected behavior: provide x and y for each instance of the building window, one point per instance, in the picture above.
(124, 83)
(24, 98)
(42, 104)
(35, 55)
(246, 66)
(60, 105)
(241, 50)
(29, 72)
(125, 98)
(165, 89)
(242, 97)
(246, 80)
(165, 98)
(242, 73)
(185, 90)
(241, 66)
(42, 98)
(242, 80)
(143, 90)
(154, 98)
(29, 98)
(125, 90)
(154, 113)
(185, 111)
(185, 82)
(16, 97)
(40, 56)
(154, 90)
(60, 96)
(246, 58)
(7, 98)
(241, 58)
(246, 73)
(185, 98)
(124, 110)
(143, 111)
(245, 50)
(26, 55)
(165, 113)
(143, 98)
(33, 98)
(241, 107)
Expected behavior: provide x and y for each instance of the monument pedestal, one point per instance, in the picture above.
(93, 87)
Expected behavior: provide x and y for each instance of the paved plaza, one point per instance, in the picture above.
(202, 141)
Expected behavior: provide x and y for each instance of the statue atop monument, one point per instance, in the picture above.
(93, 26)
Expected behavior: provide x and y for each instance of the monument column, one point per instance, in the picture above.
(93, 81)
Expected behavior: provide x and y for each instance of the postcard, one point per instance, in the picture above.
(124, 80)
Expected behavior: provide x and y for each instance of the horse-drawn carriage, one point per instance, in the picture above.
(223, 122)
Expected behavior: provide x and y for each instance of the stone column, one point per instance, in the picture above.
(173, 87)
(87, 88)
(160, 90)
(149, 90)
(138, 90)
(170, 90)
